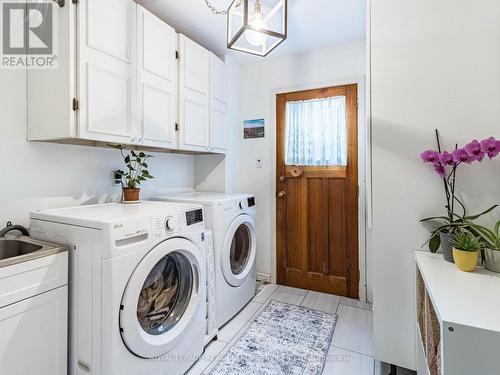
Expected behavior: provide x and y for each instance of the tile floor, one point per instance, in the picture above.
(351, 347)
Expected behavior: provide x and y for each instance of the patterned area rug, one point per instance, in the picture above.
(284, 339)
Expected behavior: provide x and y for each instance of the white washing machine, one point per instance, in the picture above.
(137, 285)
(231, 217)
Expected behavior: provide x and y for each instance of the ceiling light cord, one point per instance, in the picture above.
(214, 10)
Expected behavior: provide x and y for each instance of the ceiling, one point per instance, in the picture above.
(312, 24)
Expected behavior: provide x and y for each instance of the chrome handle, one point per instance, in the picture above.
(282, 194)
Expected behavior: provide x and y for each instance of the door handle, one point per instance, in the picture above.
(282, 194)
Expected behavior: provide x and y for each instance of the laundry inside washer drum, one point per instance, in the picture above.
(165, 294)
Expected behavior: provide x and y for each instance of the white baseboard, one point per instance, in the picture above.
(263, 277)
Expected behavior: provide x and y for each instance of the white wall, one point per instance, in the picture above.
(258, 82)
(42, 175)
(435, 64)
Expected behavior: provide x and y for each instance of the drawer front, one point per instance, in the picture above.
(34, 335)
(27, 279)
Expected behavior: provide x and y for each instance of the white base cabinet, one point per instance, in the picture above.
(34, 316)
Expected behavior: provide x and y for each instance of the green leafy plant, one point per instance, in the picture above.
(453, 225)
(490, 238)
(137, 168)
(466, 241)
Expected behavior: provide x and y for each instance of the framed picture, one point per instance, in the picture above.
(253, 128)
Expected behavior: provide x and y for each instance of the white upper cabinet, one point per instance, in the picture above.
(219, 96)
(194, 96)
(119, 81)
(157, 78)
(107, 70)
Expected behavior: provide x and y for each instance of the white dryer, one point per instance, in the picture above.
(137, 277)
(231, 217)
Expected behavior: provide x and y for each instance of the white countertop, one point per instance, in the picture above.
(468, 298)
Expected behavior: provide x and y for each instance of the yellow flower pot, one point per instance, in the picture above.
(465, 260)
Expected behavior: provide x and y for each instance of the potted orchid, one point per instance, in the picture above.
(446, 164)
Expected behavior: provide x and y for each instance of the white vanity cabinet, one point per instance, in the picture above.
(194, 95)
(219, 98)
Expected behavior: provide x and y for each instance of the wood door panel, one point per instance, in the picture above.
(317, 209)
(317, 204)
(293, 226)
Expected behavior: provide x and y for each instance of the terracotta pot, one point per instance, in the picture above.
(131, 195)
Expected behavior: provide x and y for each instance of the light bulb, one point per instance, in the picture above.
(256, 38)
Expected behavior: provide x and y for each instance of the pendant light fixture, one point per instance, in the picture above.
(255, 26)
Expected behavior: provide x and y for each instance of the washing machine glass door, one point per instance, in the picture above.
(238, 251)
(161, 298)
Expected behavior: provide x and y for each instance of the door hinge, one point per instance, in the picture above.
(76, 104)
(176, 127)
(177, 56)
(357, 191)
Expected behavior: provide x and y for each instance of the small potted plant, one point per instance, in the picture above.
(137, 172)
(466, 248)
(491, 251)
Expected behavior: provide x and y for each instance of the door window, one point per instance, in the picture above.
(316, 132)
(240, 249)
(165, 294)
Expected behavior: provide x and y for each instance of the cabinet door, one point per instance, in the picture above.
(107, 70)
(34, 335)
(219, 130)
(157, 80)
(194, 95)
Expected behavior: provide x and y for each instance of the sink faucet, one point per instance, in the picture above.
(11, 227)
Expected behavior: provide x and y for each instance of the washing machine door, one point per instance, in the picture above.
(161, 298)
(238, 250)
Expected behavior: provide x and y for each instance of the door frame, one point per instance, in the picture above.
(363, 173)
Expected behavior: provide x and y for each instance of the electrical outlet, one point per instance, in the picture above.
(258, 163)
(117, 178)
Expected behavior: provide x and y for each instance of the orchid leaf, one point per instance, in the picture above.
(497, 228)
(446, 218)
(434, 242)
(474, 217)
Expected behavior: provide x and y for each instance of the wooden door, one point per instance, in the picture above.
(317, 207)
(194, 95)
(157, 78)
(107, 70)
(219, 98)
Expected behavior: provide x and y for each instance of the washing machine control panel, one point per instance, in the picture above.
(176, 222)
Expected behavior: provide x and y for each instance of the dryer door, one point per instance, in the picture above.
(161, 297)
(238, 250)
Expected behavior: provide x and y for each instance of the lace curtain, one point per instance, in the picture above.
(316, 133)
